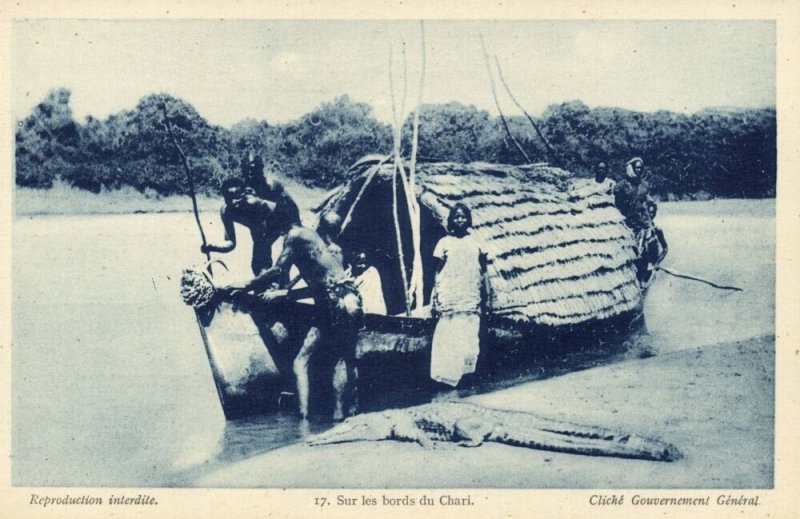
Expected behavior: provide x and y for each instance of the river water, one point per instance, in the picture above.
(111, 386)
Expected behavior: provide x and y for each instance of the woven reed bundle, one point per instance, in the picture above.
(196, 289)
(559, 250)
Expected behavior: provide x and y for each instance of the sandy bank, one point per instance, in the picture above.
(714, 403)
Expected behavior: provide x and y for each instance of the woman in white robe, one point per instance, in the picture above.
(457, 300)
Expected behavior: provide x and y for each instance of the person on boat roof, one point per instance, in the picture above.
(631, 195)
(458, 299)
(332, 340)
(601, 177)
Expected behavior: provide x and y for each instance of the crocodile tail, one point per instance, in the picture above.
(600, 442)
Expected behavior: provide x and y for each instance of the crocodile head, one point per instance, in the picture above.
(365, 427)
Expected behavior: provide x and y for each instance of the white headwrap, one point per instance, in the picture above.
(629, 171)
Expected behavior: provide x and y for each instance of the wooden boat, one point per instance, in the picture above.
(561, 268)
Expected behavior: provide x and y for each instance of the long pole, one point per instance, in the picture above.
(415, 130)
(497, 104)
(215, 372)
(189, 175)
(417, 275)
(398, 164)
(550, 151)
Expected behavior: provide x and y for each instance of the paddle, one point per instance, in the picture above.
(216, 375)
(189, 175)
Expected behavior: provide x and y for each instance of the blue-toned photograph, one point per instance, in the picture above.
(354, 254)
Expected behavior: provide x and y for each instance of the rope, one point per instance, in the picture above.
(684, 276)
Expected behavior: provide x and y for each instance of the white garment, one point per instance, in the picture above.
(371, 290)
(456, 339)
(607, 186)
(458, 284)
(455, 348)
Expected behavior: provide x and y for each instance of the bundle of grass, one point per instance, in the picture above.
(559, 251)
(197, 290)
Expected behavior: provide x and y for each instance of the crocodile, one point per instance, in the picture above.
(470, 425)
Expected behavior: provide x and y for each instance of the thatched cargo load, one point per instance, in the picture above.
(559, 251)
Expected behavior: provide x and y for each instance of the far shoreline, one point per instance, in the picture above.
(64, 200)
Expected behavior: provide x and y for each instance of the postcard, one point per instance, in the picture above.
(487, 260)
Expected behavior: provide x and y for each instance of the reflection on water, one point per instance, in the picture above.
(251, 436)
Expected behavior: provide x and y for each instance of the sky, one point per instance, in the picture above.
(277, 71)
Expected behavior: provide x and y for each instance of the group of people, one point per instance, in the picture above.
(342, 295)
(269, 212)
(632, 198)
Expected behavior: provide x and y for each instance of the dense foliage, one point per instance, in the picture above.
(715, 152)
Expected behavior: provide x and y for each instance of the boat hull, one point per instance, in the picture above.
(251, 371)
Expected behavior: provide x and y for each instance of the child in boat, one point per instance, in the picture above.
(457, 300)
(369, 285)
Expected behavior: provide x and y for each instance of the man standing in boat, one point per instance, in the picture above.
(257, 183)
(632, 197)
(653, 247)
(258, 205)
(331, 341)
(329, 227)
(252, 212)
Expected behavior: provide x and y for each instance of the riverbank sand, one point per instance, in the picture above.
(714, 403)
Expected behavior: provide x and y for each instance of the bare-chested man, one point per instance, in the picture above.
(332, 340)
(271, 190)
(254, 213)
(328, 229)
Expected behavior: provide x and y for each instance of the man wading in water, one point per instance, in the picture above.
(331, 341)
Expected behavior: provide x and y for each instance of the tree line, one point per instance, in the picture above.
(712, 153)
